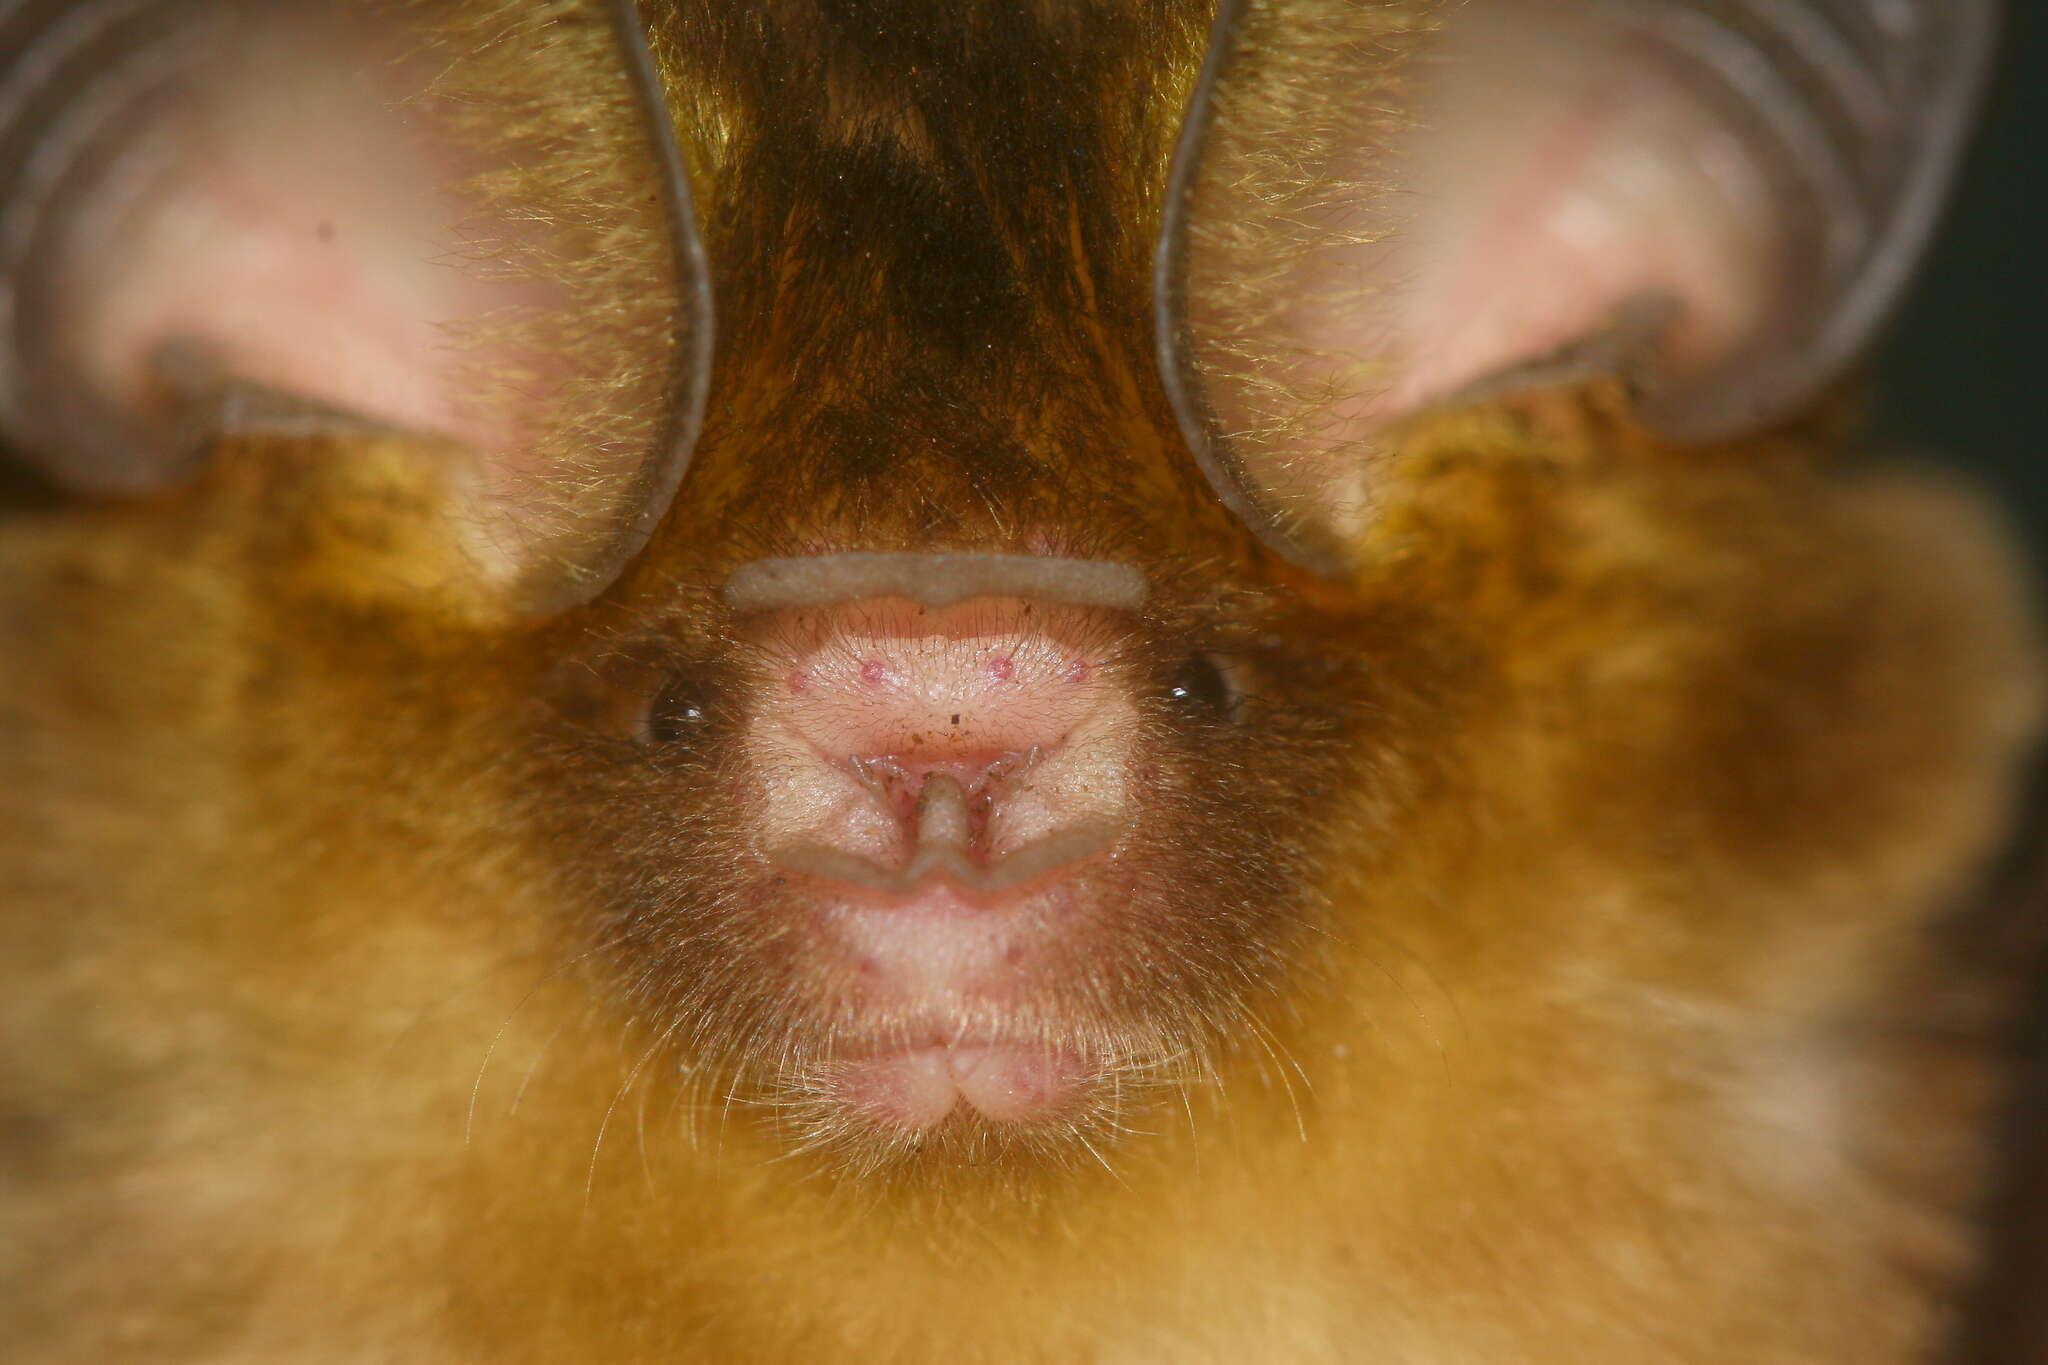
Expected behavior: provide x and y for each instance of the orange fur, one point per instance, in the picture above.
(1620, 1010)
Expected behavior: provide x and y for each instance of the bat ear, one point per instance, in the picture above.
(465, 224)
(1379, 208)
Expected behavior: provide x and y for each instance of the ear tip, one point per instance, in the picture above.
(1937, 71)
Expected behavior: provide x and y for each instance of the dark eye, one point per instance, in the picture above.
(682, 709)
(1205, 685)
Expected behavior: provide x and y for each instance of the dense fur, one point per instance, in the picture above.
(1568, 941)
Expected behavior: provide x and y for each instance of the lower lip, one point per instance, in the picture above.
(928, 986)
(917, 1088)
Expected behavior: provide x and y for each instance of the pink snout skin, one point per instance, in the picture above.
(943, 790)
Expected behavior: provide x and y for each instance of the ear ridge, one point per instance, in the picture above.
(1870, 160)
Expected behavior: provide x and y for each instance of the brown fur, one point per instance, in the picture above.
(1573, 968)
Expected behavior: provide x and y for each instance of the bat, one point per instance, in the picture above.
(1090, 680)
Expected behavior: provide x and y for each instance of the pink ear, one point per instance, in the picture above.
(433, 218)
(1380, 208)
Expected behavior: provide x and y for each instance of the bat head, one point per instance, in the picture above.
(915, 500)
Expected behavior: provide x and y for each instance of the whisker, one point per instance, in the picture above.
(477, 1084)
(597, 1146)
(527, 1078)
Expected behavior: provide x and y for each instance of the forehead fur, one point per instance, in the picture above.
(930, 228)
(955, 172)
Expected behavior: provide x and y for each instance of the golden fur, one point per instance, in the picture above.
(1621, 1009)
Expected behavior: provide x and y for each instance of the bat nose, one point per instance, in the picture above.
(936, 785)
(976, 748)
(968, 826)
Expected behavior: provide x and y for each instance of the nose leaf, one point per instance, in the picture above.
(954, 750)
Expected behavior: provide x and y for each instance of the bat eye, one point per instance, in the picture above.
(1205, 685)
(682, 710)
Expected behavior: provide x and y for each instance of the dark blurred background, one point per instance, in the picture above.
(1966, 371)
(1965, 377)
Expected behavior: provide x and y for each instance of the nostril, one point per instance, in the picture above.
(901, 783)
(946, 811)
(1012, 766)
(882, 777)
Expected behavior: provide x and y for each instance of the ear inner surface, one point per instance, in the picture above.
(464, 220)
(1381, 208)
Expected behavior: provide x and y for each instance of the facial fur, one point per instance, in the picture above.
(1544, 941)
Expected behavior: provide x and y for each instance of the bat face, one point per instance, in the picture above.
(1210, 666)
(963, 682)
(914, 856)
